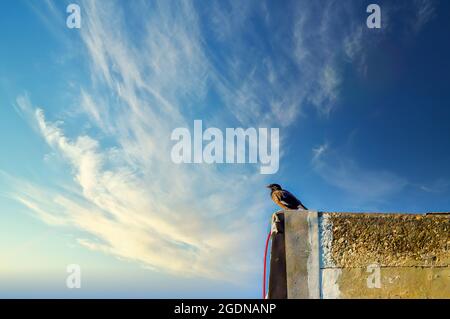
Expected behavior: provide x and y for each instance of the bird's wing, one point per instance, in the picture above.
(289, 200)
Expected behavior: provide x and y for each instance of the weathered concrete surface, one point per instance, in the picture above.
(277, 278)
(302, 255)
(394, 282)
(357, 240)
(366, 255)
(385, 255)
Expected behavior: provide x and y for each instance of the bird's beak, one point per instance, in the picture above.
(268, 186)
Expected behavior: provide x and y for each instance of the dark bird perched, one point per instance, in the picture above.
(285, 199)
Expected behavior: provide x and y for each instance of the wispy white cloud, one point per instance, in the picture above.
(416, 15)
(49, 14)
(360, 183)
(156, 75)
(280, 75)
(425, 12)
(131, 200)
(318, 152)
(134, 219)
(440, 185)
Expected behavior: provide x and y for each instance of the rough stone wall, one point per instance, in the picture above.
(367, 255)
(385, 255)
(358, 240)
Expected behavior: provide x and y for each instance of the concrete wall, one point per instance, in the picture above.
(349, 255)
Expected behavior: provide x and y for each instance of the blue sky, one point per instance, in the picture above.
(86, 116)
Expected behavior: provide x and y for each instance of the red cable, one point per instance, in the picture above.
(265, 259)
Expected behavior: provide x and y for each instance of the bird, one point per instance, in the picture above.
(284, 198)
